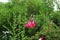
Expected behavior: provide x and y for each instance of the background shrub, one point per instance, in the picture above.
(14, 15)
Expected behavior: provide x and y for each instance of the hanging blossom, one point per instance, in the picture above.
(42, 38)
(30, 24)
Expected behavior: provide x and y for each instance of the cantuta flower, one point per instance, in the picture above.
(42, 38)
(30, 24)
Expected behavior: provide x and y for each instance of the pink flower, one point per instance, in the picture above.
(30, 24)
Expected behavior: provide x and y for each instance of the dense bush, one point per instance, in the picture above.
(14, 16)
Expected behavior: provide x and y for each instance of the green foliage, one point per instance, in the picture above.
(14, 15)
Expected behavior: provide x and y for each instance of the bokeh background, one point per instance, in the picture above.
(16, 13)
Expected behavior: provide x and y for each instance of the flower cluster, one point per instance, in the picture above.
(30, 24)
